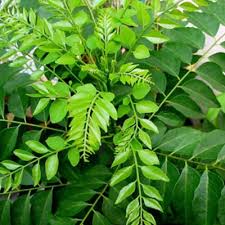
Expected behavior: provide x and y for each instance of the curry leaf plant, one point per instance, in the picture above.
(110, 114)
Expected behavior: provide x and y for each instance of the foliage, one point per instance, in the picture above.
(110, 114)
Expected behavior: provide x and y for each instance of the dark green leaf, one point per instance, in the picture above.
(205, 202)
(8, 139)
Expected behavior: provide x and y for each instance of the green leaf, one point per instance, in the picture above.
(133, 205)
(36, 146)
(42, 104)
(7, 184)
(160, 81)
(51, 166)
(206, 22)
(127, 36)
(5, 214)
(218, 58)
(58, 110)
(200, 93)
(121, 175)
(149, 125)
(212, 73)
(120, 158)
(145, 106)
(66, 59)
(36, 174)
(166, 188)
(183, 193)
(154, 173)
(221, 100)
(181, 141)
(24, 155)
(10, 165)
(152, 203)
(181, 51)
(140, 90)
(141, 52)
(221, 208)
(221, 155)
(145, 138)
(165, 61)
(99, 219)
(74, 156)
(148, 157)
(56, 143)
(21, 210)
(17, 179)
(18, 103)
(170, 119)
(205, 202)
(210, 145)
(156, 37)
(186, 106)
(142, 14)
(188, 36)
(125, 192)
(152, 192)
(41, 207)
(8, 139)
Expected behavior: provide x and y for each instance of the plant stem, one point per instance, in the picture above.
(94, 204)
(190, 161)
(32, 125)
(35, 188)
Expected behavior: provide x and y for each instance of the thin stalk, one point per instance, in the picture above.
(32, 125)
(35, 188)
(190, 161)
(193, 68)
(94, 204)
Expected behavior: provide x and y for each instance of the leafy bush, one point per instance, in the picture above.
(110, 114)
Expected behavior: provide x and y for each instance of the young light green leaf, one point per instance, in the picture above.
(37, 147)
(145, 106)
(141, 52)
(58, 110)
(51, 166)
(17, 179)
(36, 174)
(24, 155)
(132, 206)
(121, 175)
(152, 203)
(7, 184)
(56, 143)
(10, 165)
(42, 104)
(154, 173)
(152, 192)
(74, 156)
(120, 158)
(145, 138)
(147, 124)
(127, 36)
(125, 192)
(66, 59)
(148, 157)
(140, 90)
